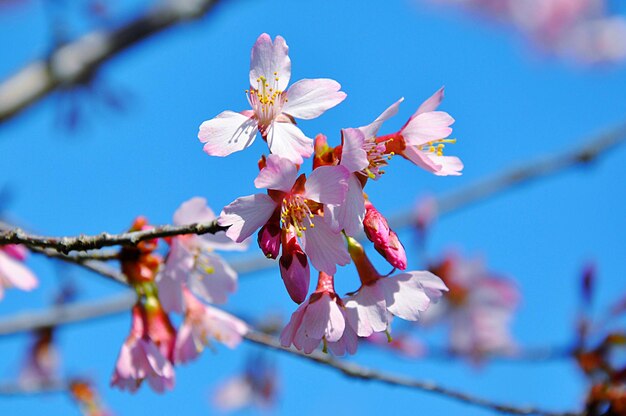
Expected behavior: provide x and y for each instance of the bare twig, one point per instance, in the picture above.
(85, 242)
(78, 61)
(64, 314)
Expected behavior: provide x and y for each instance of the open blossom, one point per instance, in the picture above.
(300, 202)
(12, 272)
(142, 357)
(321, 318)
(273, 107)
(405, 295)
(192, 262)
(203, 323)
(479, 307)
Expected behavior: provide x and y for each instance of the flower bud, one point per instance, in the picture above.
(269, 240)
(294, 269)
(385, 240)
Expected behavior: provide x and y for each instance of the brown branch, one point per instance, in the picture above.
(86, 242)
(64, 314)
(79, 60)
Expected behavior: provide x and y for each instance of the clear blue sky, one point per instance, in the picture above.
(509, 105)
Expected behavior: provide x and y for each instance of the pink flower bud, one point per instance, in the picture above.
(385, 240)
(269, 240)
(294, 269)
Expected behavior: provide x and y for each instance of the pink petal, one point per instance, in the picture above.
(449, 165)
(349, 215)
(287, 141)
(323, 318)
(288, 333)
(170, 292)
(327, 184)
(245, 215)
(214, 287)
(279, 174)
(421, 159)
(227, 133)
(192, 211)
(268, 58)
(186, 348)
(367, 311)
(431, 103)
(348, 342)
(407, 296)
(353, 156)
(427, 127)
(326, 248)
(371, 129)
(234, 394)
(309, 98)
(224, 327)
(15, 274)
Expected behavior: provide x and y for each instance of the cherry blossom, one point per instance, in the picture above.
(191, 261)
(141, 359)
(385, 240)
(301, 203)
(479, 307)
(12, 272)
(202, 323)
(405, 295)
(273, 107)
(321, 318)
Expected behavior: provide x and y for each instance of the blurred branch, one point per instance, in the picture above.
(64, 314)
(51, 387)
(78, 61)
(590, 151)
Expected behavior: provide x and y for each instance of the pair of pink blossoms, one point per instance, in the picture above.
(192, 271)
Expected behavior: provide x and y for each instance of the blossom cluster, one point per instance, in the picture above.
(305, 220)
(587, 30)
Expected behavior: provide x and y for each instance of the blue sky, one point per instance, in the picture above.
(509, 104)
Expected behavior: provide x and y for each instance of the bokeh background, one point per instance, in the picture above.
(132, 149)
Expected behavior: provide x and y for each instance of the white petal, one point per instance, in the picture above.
(325, 247)
(268, 58)
(353, 156)
(278, 173)
(427, 127)
(227, 133)
(245, 215)
(309, 98)
(327, 184)
(367, 310)
(287, 141)
(213, 287)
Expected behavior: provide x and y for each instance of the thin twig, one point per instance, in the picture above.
(78, 61)
(357, 371)
(91, 242)
(64, 314)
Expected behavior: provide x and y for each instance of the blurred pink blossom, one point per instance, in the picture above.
(12, 272)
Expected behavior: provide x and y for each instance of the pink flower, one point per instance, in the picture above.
(203, 323)
(273, 109)
(479, 307)
(405, 295)
(301, 203)
(12, 272)
(424, 137)
(385, 240)
(141, 359)
(321, 317)
(191, 261)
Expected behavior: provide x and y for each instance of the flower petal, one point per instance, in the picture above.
(227, 133)
(192, 211)
(15, 274)
(421, 159)
(287, 141)
(309, 98)
(245, 215)
(371, 129)
(353, 156)
(279, 174)
(270, 61)
(427, 127)
(367, 311)
(288, 333)
(449, 165)
(327, 184)
(431, 103)
(216, 285)
(326, 248)
(349, 215)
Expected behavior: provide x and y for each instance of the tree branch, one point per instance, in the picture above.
(71, 313)
(79, 60)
